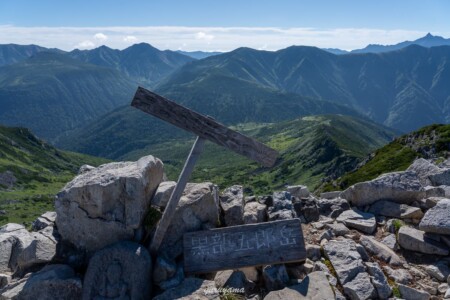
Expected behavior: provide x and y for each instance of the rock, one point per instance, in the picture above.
(306, 207)
(429, 173)
(266, 200)
(197, 210)
(298, 191)
(314, 286)
(164, 269)
(398, 275)
(338, 229)
(108, 203)
(327, 235)
(42, 249)
(4, 280)
(332, 207)
(437, 219)
(173, 281)
(313, 252)
(51, 282)
(410, 293)
(251, 273)
(275, 277)
(232, 204)
(163, 193)
(360, 288)
(345, 259)
(395, 210)
(20, 249)
(399, 187)
(255, 212)
(192, 289)
(230, 279)
(413, 239)
(380, 250)
(362, 251)
(359, 220)
(442, 288)
(447, 294)
(390, 225)
(7, 179)
(281, 208)
(85, 168)
(379, 280)
(117, 271)
(330, 195)
(439, 271)
(434, 191)
(391, 242)
(46, 219)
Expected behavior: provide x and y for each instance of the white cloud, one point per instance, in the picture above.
(205, 38)
(86, 44)
(130, 39)
(100, 37)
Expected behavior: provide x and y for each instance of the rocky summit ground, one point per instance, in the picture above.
(381, 239)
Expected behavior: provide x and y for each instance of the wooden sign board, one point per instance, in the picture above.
(243, 246)
(203, 126)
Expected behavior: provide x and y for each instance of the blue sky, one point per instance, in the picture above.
(219, 25)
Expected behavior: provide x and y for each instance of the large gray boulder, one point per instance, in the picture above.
(359, 220)
(411, 293)
(53, 282)
(345, 258)
(198, 209)
(163, 193)
(399, 187)
(255, 212)
(281, 208)
(380, 250)
(20, 249)
(314, 286)
(232, 204)
(306, 208)
(360, 288)
(379, 280)
(119, 271)
(332, 207)
(437, 219)
(298, 191)
(395, 210)
(429, 173)
(108, 203)
(415, 240)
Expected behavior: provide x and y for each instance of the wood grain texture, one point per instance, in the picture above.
(203, 126)
(171, 206)
(244, 246)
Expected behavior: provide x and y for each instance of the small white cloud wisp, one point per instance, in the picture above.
(204, 38)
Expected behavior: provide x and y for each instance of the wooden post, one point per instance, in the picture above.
(169, 211)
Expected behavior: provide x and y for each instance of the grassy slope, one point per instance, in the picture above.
(429, 142)
(41, 171)
(310, 148)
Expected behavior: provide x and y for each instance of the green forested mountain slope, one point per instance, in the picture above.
(430, 142)
(51, 93)
(403, 89)
(311, 148)
(32, 172)
(142, 62)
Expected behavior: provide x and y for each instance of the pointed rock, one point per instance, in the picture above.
(413, 239)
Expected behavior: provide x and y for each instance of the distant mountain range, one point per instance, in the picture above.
(427, 41)
(58, 94)
(199, 54)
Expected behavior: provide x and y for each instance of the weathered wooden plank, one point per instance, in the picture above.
(169, 211)
(203, 126)
(243, 246)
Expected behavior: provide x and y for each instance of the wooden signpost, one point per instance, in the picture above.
(243, 246)
(231, 247)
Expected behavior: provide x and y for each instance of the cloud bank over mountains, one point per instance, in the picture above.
(203, 38)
